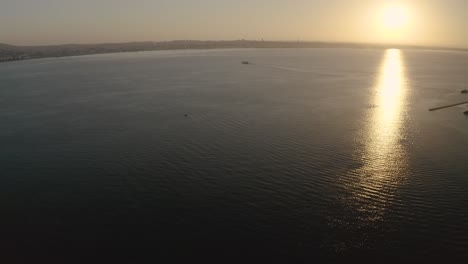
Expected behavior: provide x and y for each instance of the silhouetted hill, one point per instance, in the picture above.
(11, 53)
(5, 46)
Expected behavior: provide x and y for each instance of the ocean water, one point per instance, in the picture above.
(303, 153)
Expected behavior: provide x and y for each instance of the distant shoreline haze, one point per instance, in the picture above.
(15, 53)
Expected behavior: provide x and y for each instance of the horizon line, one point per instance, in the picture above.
(412, 45)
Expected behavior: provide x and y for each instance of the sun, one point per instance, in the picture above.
(395, 17)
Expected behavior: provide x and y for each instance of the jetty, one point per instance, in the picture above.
(447, 106)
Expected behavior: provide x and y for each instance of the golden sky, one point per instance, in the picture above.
(422, 22)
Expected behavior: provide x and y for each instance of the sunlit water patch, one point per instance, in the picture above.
(372, 188)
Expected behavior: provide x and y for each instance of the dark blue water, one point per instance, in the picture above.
(303, 154)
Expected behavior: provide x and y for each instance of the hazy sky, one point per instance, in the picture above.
(32, 22)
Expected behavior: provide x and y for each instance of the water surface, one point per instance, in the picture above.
(305, 153)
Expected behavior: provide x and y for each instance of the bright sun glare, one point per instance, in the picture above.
(395, 17)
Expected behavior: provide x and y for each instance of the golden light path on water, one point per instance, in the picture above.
(371, 191)
(384, 154)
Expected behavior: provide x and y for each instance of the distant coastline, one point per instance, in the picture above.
(16, 53)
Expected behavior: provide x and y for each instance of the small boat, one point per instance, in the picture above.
(464, 91)
(245, 62)
(466, 113)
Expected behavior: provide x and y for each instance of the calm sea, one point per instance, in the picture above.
(303, 153)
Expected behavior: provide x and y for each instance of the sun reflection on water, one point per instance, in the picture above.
(372, 189)
(384, 154)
